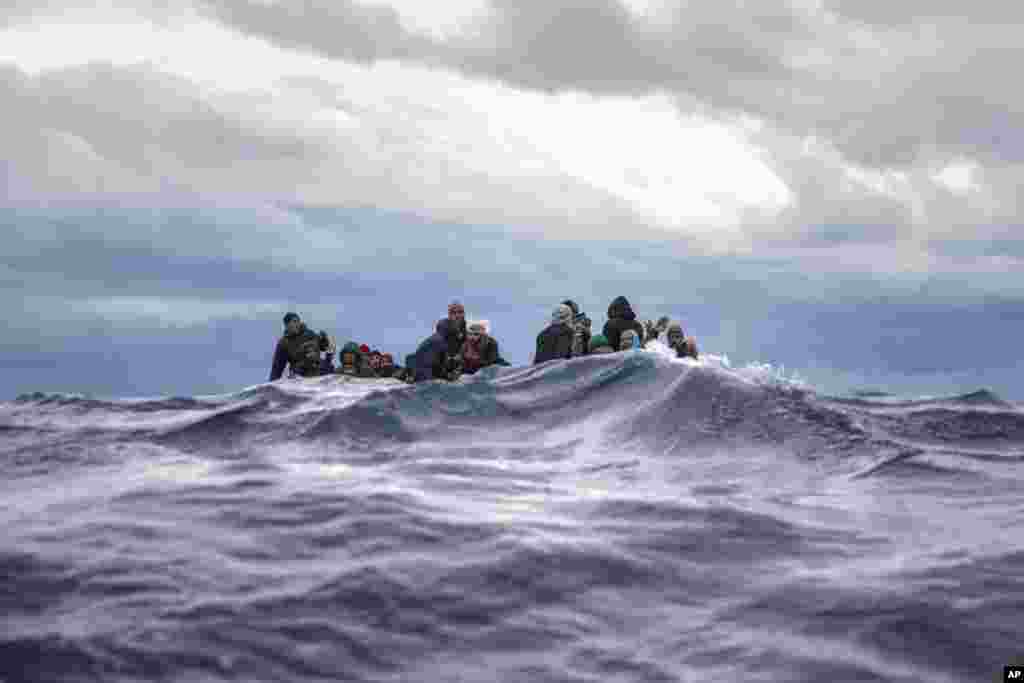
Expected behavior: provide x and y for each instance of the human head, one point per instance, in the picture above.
(626, 340)
(662, 323)
(573, 305)
(562, 314)
(674, 332)
(364, 349)
(292, 323)
(476, 330)
(456, 312)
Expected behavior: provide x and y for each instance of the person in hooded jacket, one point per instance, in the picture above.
(299, 348)
(432, 359)
(621, 317)
(599, 345)
(581, 329)
(555, 341)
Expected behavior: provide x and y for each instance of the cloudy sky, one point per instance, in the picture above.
(829, 185)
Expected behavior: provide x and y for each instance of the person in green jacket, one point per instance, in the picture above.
(599, 344)
(299, 348)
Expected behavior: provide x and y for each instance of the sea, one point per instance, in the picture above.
(617, 518)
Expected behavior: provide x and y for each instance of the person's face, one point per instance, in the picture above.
(675, 337)
(293, 326)
(457, 315)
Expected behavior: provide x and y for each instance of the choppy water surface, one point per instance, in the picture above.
(617, 518)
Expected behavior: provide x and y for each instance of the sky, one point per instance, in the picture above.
(829, 186)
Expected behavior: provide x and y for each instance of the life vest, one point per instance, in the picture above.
(349, 363)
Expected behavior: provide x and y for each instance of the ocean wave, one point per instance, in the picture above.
(630, 517)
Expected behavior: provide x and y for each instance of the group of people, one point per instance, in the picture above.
(459, 348)
(311, 354)
(569, 334)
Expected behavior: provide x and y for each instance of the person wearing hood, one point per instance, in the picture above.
(555, 341)
(620, 318)
(685, 347)
(599, 345)
(432, 359)
(581, 329)
(299, 349)
(479, 350)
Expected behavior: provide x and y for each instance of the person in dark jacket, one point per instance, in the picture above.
(581, 329)
(555, 341)
(621, 317)
(479, 350)
(654, 330)
(432, 359)
(457, 330)
(299, 348)
(685, 347)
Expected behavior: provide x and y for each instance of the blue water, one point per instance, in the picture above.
(616, 518)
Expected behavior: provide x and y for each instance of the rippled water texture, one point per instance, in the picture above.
(616, 518)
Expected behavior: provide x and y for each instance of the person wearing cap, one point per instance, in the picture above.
(555, 341)
(685, 347)
(479, 350)
(457, 329)
(654, 330)
(581, 329)
(298, 349)
(599, 345)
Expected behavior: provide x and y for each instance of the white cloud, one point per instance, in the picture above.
(390, 135)
(744, 128)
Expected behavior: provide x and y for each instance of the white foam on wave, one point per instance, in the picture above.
(761, 374)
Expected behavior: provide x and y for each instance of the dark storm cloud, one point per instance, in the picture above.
(890, 84)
